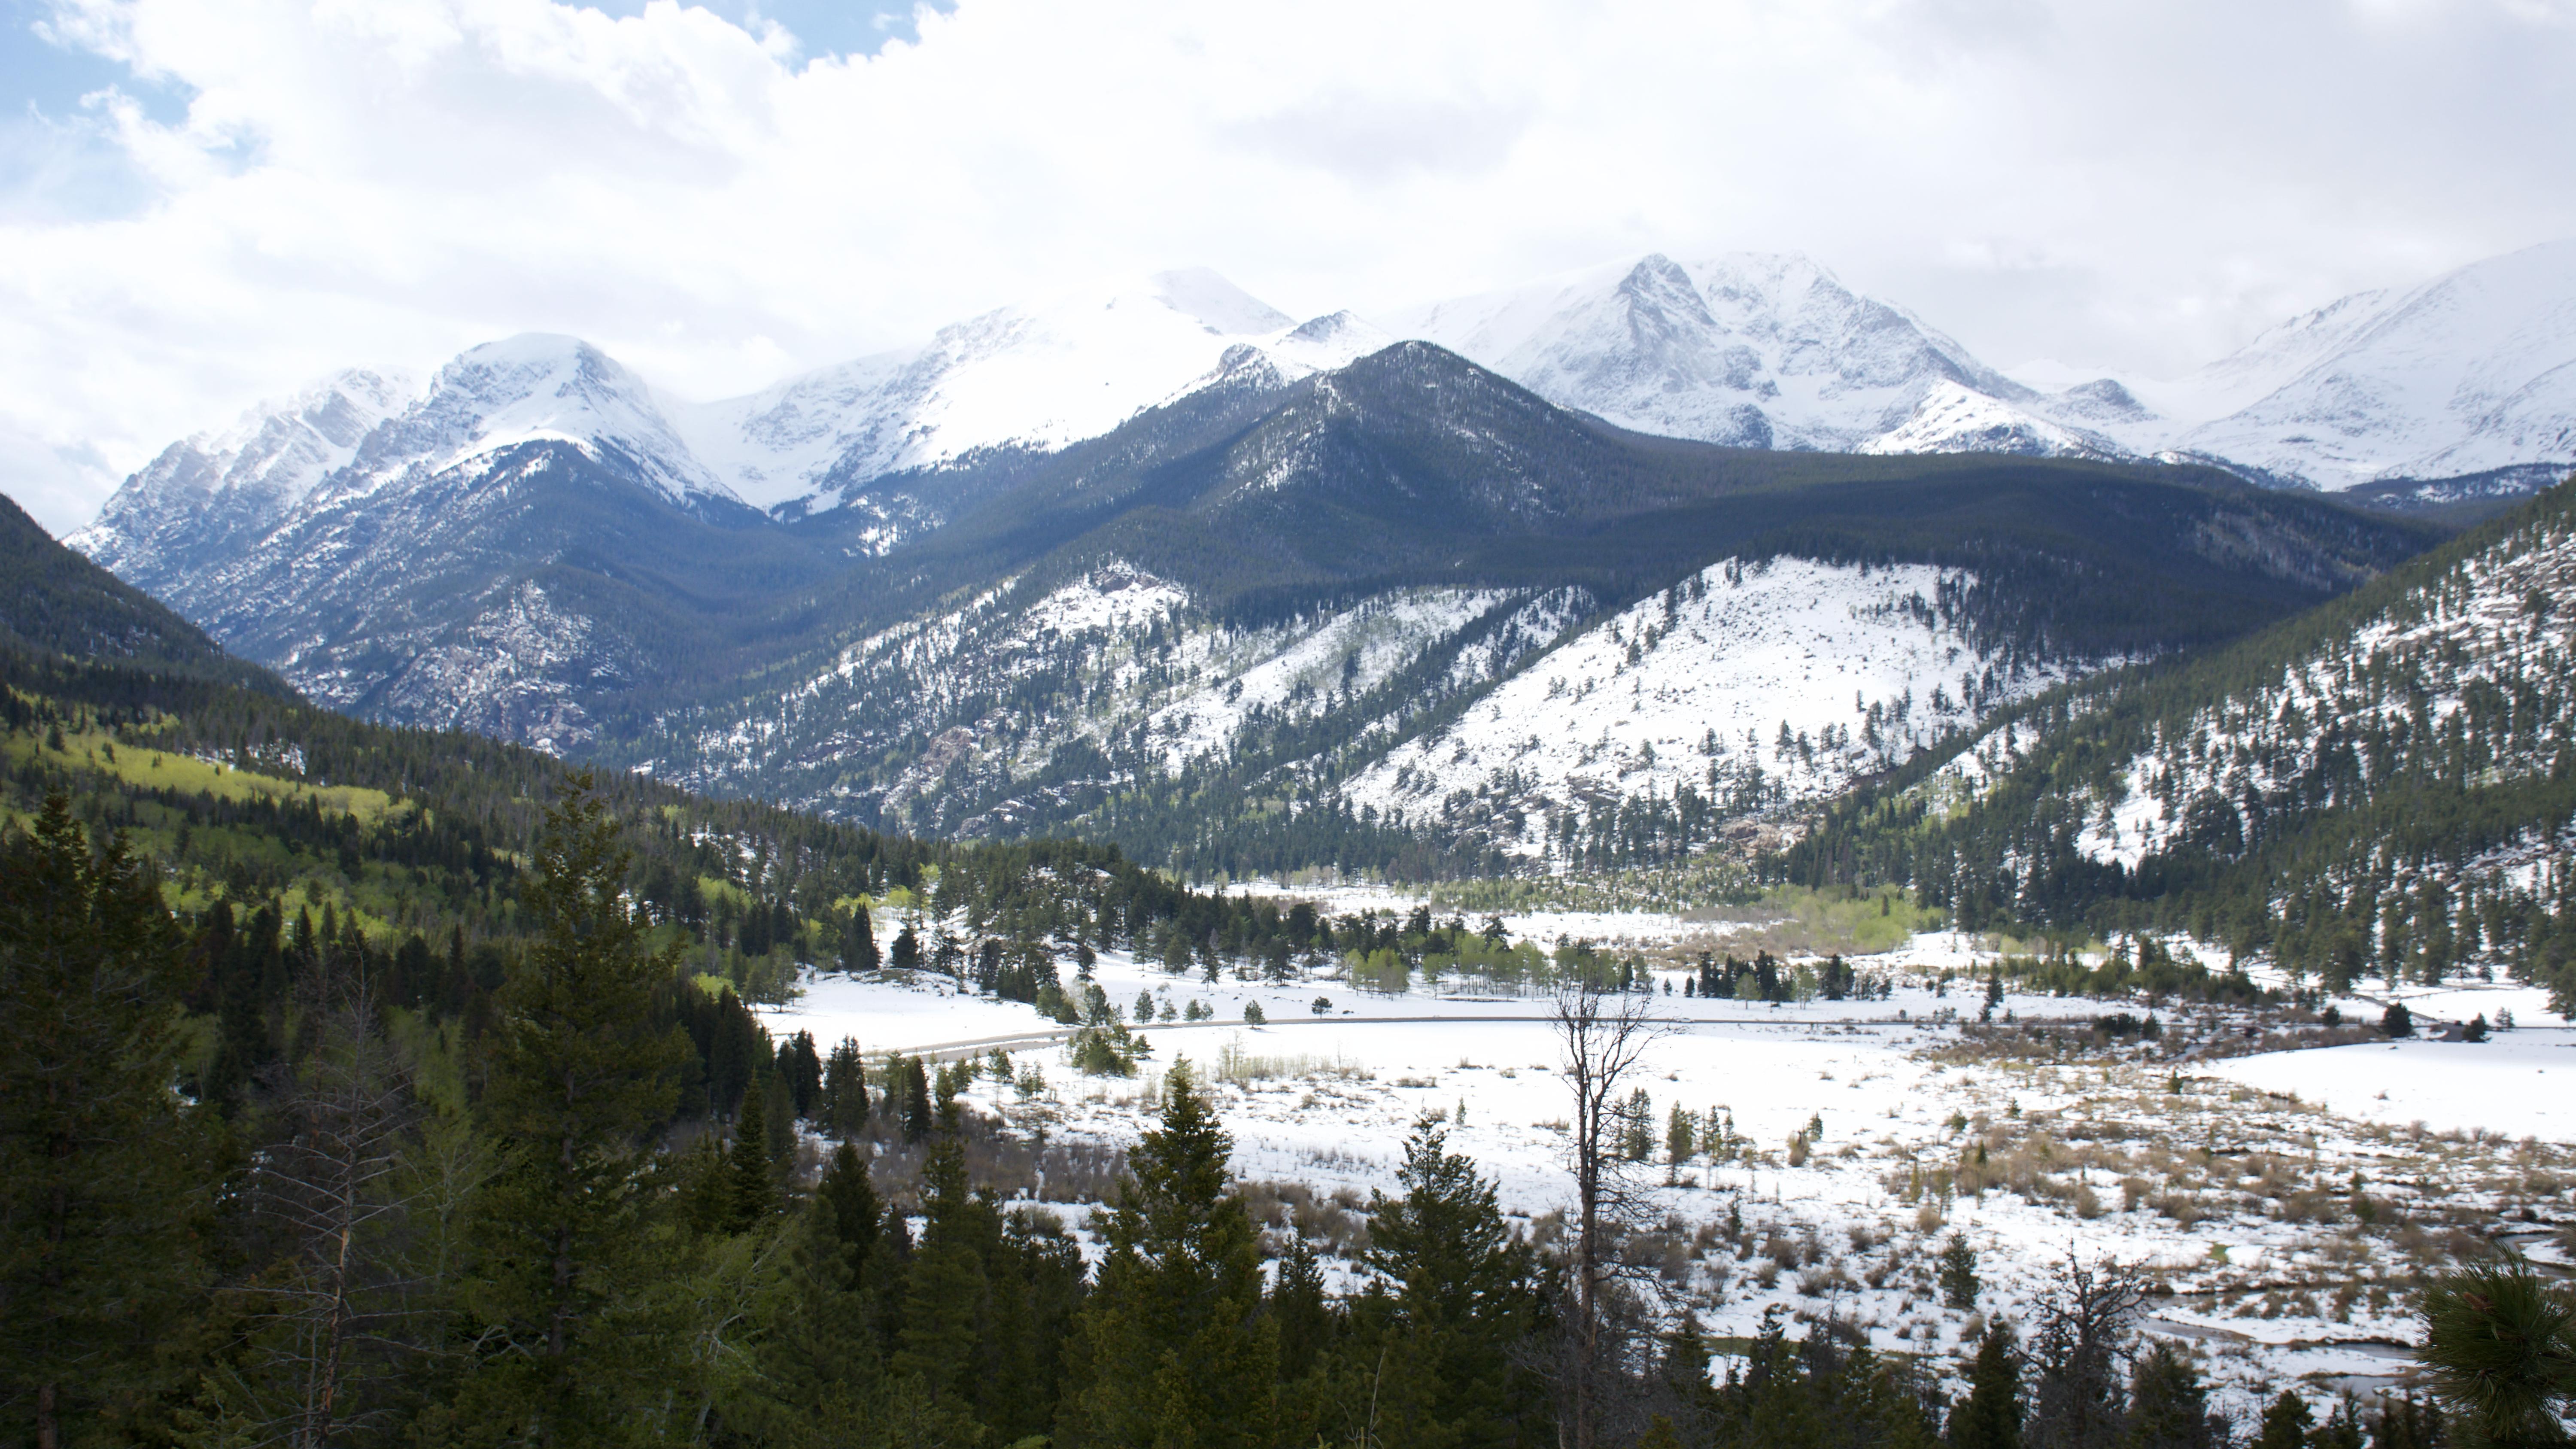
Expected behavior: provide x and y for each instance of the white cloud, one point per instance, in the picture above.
(362, 181)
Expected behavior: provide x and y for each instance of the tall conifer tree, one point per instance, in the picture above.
(1173, 1348)
(1465, 1296)
(1990, 1417)
(580, 1075)
(102, 1172)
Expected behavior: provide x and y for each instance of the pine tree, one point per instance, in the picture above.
(945, 1292)
(821, 1375)
(2168, 1405)
(845, 1093)
(1990, 1416)
(706, 1187)
(1298, 1306)
(849, 1202)
(579, 1075)
(104, 1179)
(858, 944)
(918, 1117)
(751, 1195)
(1958, 1274)
(1465, 1297)
(1171, 1347)
(1684, 1371)
(2500, 1348)
(2285, 1424)
(800, 1067)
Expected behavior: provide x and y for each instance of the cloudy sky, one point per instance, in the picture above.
(203, 202)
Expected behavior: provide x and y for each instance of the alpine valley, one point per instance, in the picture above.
(1152, 872)
(1604, 570)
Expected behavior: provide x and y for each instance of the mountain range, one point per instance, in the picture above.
(2461, 386)
(1241, 621)
(1165, 564)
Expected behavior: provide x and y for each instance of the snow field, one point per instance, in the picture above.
(2236, 1193)
(2521, 1083)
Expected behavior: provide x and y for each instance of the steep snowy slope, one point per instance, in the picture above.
(2475, 660)
(1741, 691)
(1037, 375)
(1749, 350)
(1743, 688)
(2469, 373)
(1115, 675)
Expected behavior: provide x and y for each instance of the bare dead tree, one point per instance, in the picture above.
(2084, 1328)
(1603, 1036)
(330, 1189)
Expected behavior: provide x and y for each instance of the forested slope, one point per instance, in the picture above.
(54, 600)
(2386, 784)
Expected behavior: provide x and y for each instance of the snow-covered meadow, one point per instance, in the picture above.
(2281, 1200)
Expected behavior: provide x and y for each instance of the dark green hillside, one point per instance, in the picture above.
(257, 800)
(52, 600)
(2372, 823)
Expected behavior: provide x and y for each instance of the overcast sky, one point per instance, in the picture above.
(203, 202)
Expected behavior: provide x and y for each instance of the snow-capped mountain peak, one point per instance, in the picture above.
(242, 479)
(1764, 350)
(2472, 372)
(1033, 375)
(535, 387)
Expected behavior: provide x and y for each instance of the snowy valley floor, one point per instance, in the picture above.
(2282, 1198)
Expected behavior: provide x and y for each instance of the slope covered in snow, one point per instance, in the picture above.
(2469, 373)
(1744, 688)
(2386, 787)
(2480, 657)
